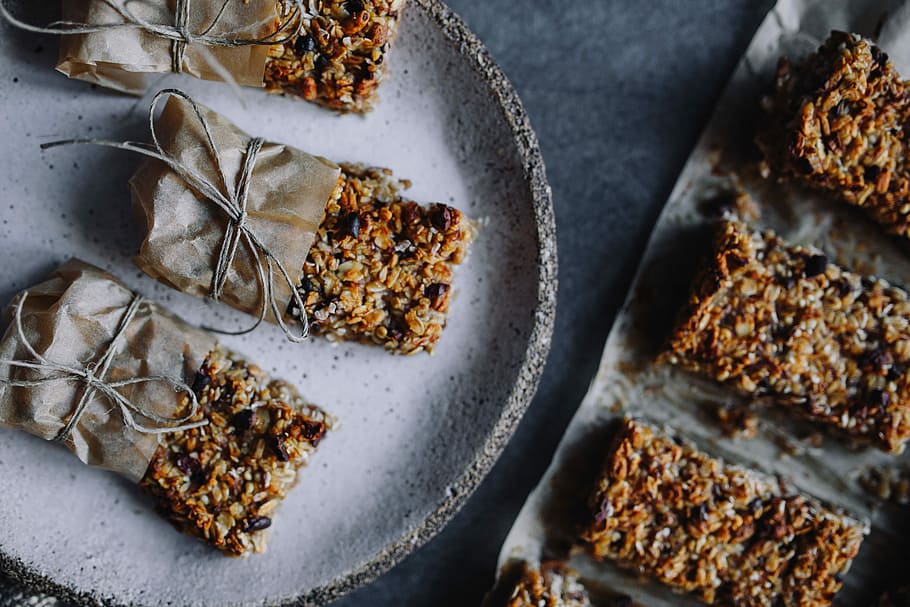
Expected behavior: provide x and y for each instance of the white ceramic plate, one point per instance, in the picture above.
(418, 434)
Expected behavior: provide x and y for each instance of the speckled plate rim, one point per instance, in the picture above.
(472, 49)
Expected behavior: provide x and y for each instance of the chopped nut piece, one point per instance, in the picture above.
(218, 482)
(828, 344)
(722, 532)
(736, 422)
(837, 124)
(337, 58)
(551, 586)
(381, 268)
(887, 484)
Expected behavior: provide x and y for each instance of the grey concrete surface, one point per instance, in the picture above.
(618, 92)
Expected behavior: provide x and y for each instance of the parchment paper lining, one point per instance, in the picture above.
(629, 383)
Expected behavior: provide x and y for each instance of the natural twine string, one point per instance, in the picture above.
(92, 378)
(233, 202)
(178, 34)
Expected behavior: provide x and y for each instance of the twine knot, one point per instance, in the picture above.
(232, 200)
(91, 376)
(179, 33)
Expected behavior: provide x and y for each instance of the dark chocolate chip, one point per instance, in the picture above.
(313, 430)
(872, 172)
(257, 523)
(843, 108)
(398, 328)
(896, 371)
(843, 287)
(201, 382)
(187, 464)
(804, 166)
(441, 217)
(244, 420)
(304, 44)
(349, 225)
(354, 6)
(880, 56)
(321, 63)
(436, 291)
(306, 285)
(277, 445)
(410, 216)
(876, 359)
(815, 265)
(879, 398)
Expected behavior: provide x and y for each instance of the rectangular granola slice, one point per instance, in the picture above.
(336, 60)
(836, 122)
(382, 266)
(552, 585)
(726, 534)
(769, 318)
(222, 482)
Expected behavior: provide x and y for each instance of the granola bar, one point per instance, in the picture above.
(768, 318)
(222, 482)
(837, 124)
(552, 585)
(721, 532)
(336, 60)
(381, 268)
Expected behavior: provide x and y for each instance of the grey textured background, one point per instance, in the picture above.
(618, 92)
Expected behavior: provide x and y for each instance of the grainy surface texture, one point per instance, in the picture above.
(337, 58)
(617, 114)
(224, 481)
(721, 532)
(836, 123)
(549, 586)
(382, 268)
(769, 318)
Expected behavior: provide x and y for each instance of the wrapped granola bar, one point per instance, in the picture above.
(331, 52)
(89, 364)
(196, 37)
(228, 216)
(836, 123)
(338, 251)
(723, 533)
(768, 318)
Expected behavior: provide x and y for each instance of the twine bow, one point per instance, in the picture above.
(233, 203)
(92, 378)
(179, 33)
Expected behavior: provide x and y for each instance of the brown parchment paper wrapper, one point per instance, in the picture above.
(629, 382)
(288, 193)
(120, 59)
(71, 319)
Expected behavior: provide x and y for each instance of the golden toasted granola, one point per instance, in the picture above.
(336, 60)
(768, 318)
(550, 586)
(836, 122)
(381, 268)
(726, 534)
(222, 482)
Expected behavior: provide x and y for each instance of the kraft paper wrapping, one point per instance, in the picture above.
(122, 58)
(629, 382)
(288, 193)
(71, 319)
